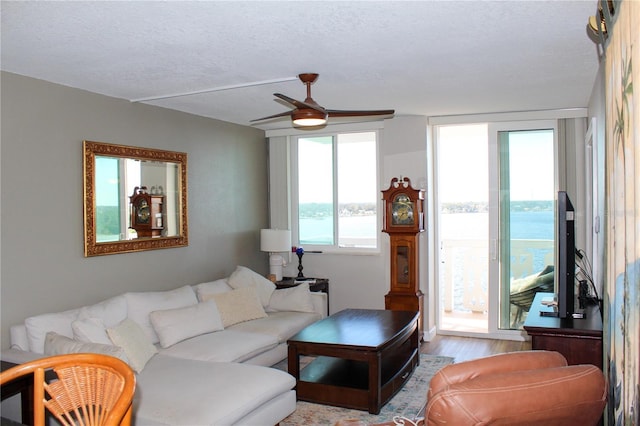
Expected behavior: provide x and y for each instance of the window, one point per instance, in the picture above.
(337, 191)
(115, 181)
(107, 181)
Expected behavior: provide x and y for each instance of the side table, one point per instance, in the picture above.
(22, 386)
(315, 284)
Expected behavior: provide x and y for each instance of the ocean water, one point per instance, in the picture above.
(531, 225)
(537, 225)
(352, 228)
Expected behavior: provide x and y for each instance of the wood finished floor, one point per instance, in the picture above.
(467, 348)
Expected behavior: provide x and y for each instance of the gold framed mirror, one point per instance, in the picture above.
(134, 199)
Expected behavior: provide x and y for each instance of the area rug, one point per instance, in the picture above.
(407, 402)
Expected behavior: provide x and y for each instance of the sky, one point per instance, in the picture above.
(463, 164)
(357, 168)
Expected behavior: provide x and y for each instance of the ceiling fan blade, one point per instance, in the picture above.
(282, 114)
(299, 104)
(354, 113)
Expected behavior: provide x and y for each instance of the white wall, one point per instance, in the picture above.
(42, 263)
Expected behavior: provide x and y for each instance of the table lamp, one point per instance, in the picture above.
(275, 241)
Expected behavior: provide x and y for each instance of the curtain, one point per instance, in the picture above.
(622, 274)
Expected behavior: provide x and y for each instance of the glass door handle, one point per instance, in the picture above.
(493, 249)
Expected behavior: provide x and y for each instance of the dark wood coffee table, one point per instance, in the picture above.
(363, 357)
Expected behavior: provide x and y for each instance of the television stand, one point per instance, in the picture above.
(578, 339)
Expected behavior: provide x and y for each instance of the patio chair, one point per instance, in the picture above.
(524, 290)
(87, 389)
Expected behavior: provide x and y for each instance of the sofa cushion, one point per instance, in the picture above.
(140, 305)
(223, 346)
(130, 337)
(175, 325)
(56, 344)
(238, 305)
(282, 325)
(212, 287)
(245, 277)
(180, 391)
(90, 330)
(38, 326)
(297, 299)
(111, 311)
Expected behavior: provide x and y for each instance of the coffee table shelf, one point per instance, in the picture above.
(337, 372)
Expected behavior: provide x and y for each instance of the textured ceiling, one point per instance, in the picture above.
(420, 58)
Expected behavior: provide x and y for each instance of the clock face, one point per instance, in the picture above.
(402, 211)
(142, 212)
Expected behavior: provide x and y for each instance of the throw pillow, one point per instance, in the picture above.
(110, 311)
(90, 330)
(57, 344)
(140, 305)
(212, 287)
(39, 325)
(245, 277)
(175, 325)
(132, 338)
(238, 305)
(297, 299)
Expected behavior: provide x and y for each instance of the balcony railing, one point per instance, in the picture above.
(465, 270)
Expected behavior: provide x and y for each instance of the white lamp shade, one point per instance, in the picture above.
(275, 240)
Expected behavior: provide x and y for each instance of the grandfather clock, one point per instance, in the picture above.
(403, 221)
(147, 213)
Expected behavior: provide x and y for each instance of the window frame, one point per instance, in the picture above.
(294, 201)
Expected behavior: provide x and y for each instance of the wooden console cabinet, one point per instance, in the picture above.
(579, 340)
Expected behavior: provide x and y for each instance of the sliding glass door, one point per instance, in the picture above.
(495, 192)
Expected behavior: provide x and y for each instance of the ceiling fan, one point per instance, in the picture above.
(309, 113)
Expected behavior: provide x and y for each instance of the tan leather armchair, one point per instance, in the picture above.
(518, 388)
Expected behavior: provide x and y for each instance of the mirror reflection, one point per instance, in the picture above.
(135, 198)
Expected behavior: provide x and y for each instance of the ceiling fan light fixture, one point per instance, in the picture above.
(308, 117)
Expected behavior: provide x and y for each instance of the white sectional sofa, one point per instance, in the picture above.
(200, 352)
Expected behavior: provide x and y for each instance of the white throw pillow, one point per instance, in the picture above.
(296, 299)
(212, 287)
(140, 305)
(57, 344)
(238, 305)
(110, 311)
(38, 326)
(175, 325)
(90, 330)
(132, 338)
(245, 277)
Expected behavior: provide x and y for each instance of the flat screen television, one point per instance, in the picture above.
(565, 256)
